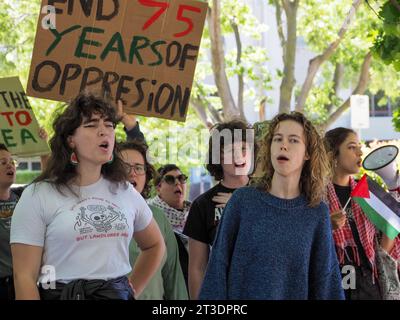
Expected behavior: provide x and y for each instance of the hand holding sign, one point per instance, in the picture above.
(43, 134)
(129, 121)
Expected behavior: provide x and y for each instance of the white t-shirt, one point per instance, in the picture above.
(82, 238)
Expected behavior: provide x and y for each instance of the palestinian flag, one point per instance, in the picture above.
(379, 206)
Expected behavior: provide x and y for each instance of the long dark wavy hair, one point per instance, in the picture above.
(59, 170)
(3, 147)
(142, 148)
(316, 171)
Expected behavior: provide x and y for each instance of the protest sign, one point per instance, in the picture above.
(19, 130)
(145, 51)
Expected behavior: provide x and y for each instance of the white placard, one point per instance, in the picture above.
(359, 108)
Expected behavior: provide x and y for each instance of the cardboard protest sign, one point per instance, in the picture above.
(144, 50)
(19, 130)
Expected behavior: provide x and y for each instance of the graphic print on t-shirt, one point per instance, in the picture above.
(100, 217)
(7, 209)
(218, 215)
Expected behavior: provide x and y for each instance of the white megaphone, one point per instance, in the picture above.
(382, 161)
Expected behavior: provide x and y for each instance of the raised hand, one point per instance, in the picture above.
(222, 199)
(129, 120)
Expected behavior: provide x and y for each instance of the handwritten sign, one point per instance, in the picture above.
(18, 126)
(145, 51)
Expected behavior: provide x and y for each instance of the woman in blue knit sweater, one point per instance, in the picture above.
(274, 240)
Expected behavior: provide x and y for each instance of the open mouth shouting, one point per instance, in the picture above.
(282, 159)
(10, 173)
(240, 165)
(178, 191)
(133, 182)
(104, 146)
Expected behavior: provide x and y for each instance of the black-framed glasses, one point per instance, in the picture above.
(170, 179)
(11, 161)
(139, 169)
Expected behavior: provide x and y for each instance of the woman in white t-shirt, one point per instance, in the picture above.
(72, 227)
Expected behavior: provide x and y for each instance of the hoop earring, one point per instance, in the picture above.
(73, 159)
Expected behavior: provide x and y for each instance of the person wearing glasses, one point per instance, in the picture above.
(72, 227)
(168, 282)
(171, 192)
(8, 200)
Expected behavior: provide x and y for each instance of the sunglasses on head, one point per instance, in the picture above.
(169, 179)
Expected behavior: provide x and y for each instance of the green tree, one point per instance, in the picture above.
(244, 65)
(387, 43)
(342, 43)
(209, 103)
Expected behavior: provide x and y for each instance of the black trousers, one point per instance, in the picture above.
(114, 289)
(365, 289)
(7, 291)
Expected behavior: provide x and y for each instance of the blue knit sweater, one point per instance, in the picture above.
(272, 248)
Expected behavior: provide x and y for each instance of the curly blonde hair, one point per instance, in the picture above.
(316, 171)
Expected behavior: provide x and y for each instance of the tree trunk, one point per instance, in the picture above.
(289, 55)
(395, 4)
(337, 80)
(317, 61)
(261, 109)
(218, 61)
(240, 75)
(278, 17)
(360, 89)
(201, 113)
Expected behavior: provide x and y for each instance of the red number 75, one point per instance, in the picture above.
(179, 17)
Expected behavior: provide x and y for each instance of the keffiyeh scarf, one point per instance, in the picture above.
(343, 237)
(177, 218)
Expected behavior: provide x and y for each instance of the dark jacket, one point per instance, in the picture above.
(114, 289)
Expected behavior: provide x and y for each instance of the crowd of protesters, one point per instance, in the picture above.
(281, 233)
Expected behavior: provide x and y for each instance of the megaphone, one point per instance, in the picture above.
(382, 161)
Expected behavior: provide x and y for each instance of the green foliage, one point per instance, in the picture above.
(387, 42)
(18, 21)
(315, 16)
(396, 119)
(184, 144)
(25, 177)
(387, 49)
(257, 77)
